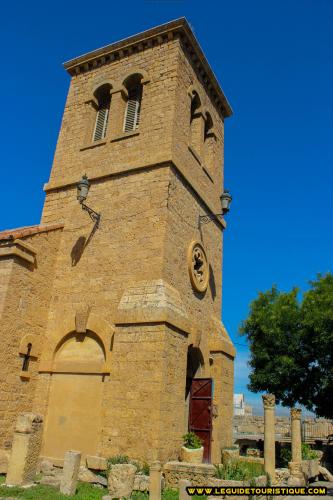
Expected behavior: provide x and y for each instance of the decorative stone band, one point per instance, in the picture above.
(117, 169)
(268, 400)
(155, 301)
(19, 249)
(295, 413)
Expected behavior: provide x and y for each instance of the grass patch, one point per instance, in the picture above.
(239, 471)
(85, 491)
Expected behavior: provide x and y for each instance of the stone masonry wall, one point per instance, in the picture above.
(24, 312)
(143, 418)
(95, 269)
(6, 267)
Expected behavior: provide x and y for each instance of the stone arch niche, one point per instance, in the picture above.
(73, 420)
(194, 368)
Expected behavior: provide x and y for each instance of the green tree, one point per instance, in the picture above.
(291, 345)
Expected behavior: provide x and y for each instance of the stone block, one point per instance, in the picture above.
(182, 485)
(198, 474)
(4, 458)
(70, 472)
(87, 476)
(325, 473)
(141, 483)
(229, 454)
(96, 463)
(121, 480)
(310, 468)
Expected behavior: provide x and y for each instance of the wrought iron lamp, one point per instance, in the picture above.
(226, 199)
(82, 192)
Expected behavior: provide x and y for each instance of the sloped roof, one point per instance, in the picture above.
(21, 232)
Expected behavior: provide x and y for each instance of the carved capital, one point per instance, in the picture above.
(268, 400)
(156, 466)
(295, 413)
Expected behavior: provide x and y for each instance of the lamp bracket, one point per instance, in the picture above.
(95, 217)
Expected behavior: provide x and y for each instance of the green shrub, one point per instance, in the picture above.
(239, 471)
(285, 456)
(124, 459)
(308, 453)
(192, 441)
(141, 468)
(118, 459)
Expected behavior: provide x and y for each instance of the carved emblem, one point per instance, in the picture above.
(198, 266)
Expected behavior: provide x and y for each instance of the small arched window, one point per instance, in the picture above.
(208, 126)
(132, 113)
(103, 97)
(196, 131)
(26, 358)
(209, 144)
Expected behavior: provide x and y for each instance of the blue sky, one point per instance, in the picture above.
(274, 61)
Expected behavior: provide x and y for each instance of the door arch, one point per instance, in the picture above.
(73, 419)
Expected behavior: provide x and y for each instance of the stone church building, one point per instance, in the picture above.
(110, 308)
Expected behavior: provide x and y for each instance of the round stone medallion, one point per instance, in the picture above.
(198, 266)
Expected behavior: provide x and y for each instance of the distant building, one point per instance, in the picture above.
(240, 407)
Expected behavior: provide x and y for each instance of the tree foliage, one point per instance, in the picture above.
(291, 345)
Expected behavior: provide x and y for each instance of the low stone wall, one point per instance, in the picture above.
(198, 474)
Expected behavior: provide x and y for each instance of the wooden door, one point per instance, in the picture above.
(200, 412)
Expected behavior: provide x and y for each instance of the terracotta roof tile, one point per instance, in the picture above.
(21, 232)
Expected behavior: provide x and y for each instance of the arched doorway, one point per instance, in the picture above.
(74, 411)
(198, 397)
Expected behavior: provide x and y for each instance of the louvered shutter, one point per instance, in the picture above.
(101, 122)
(132, 116)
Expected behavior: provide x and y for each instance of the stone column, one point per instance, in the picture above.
(22, 466)
(269, 435)
(295, 466)
(155, 481)
(296, 435)
(117, 112)
(70, 472)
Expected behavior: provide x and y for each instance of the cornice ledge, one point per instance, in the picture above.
(118, 170)
(179, 27)
(19, 249)
(153, 301)
(219, 340)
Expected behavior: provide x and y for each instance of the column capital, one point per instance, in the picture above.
(295, 413)
(156, 465)
(268, 400)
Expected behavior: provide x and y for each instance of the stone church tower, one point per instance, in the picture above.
(111, 329)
